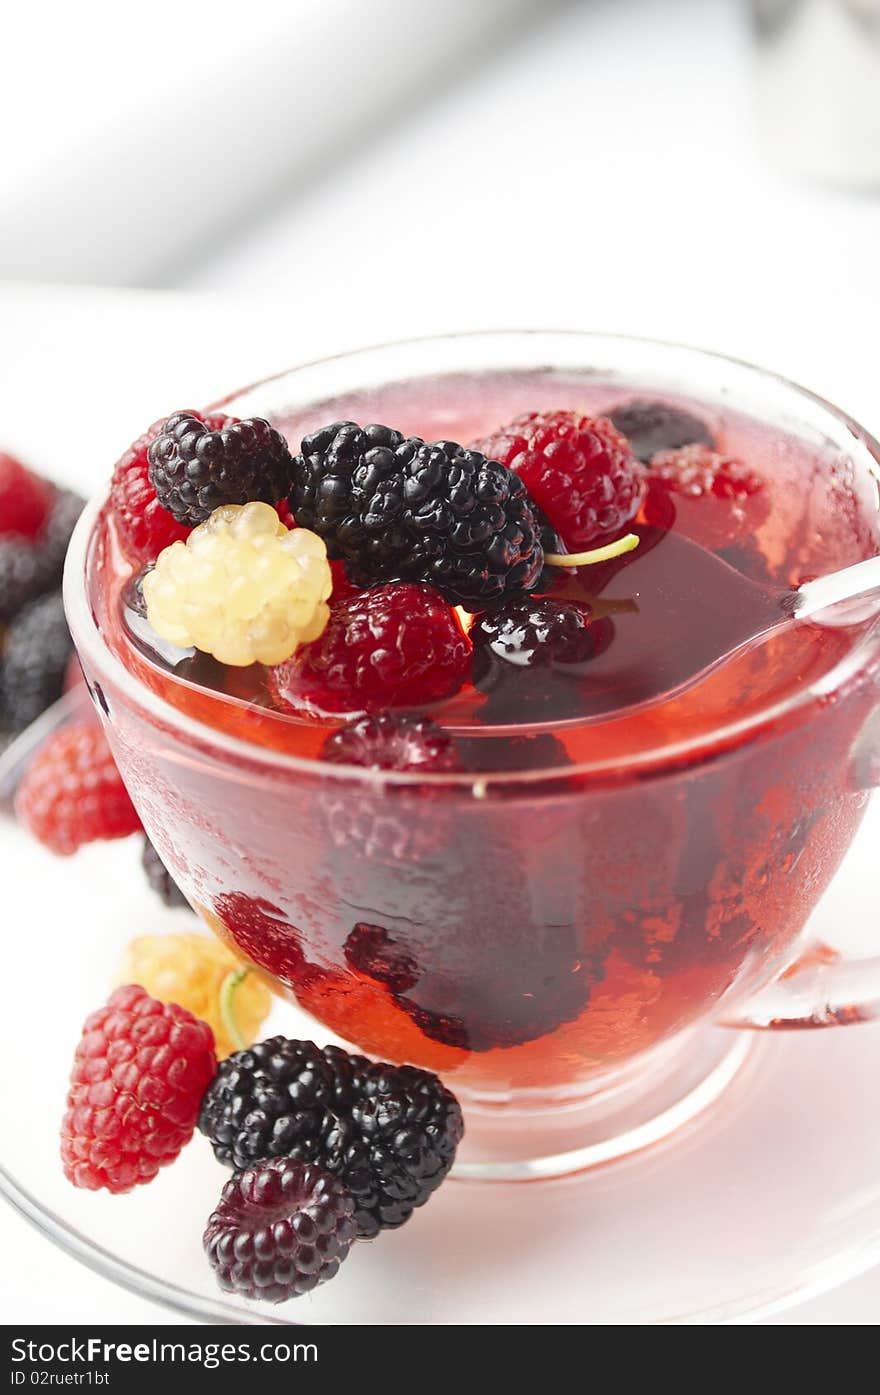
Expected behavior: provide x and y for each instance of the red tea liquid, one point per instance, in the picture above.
(532, 934)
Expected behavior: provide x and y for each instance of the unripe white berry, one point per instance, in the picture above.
(242, 587)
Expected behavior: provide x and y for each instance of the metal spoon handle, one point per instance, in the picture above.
(845, 585)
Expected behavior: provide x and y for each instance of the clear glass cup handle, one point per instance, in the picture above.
(824, 987)
(821, 989)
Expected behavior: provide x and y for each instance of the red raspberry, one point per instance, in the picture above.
(24, 499)
(579, 470)
(262, 933)
(343, 589)
(398, 645)
(146, 526)
(139, 1074)
(718, 499)
(388, 826)
(73, 794)
(389, 742)
(285, 514)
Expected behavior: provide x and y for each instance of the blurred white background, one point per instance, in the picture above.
(196, 193)
(364, 171)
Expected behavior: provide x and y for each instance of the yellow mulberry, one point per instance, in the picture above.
(242, 587)
(192, 970)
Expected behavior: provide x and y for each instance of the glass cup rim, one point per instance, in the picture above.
(654, 760)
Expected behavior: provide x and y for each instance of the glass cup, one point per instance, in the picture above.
(560, 944)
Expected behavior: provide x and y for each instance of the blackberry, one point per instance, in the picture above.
(536, 632)
(374, 953)
(31, 567)
(389, 1133)
(277, 1099)
(146, 528)
(279, 1230)
(22, 576)
(160, 878)
(529, 655)
(372, 950)
(654, 426)
(487, 755)
(410, 1126)
(35, 657)
(398, 509)
(492, 966)
(63, 515)
(194, 469)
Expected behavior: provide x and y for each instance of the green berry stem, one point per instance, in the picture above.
(227, 1009)
(597, 554)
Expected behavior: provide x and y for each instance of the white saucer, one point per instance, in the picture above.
(771, 1195)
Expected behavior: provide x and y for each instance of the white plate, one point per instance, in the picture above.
(772, 1195)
